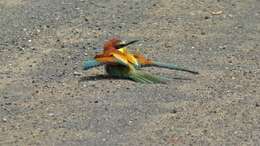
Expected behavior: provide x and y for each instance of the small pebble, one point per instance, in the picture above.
(51, 114)
(230, 15)
(4, 120)
(76, 73)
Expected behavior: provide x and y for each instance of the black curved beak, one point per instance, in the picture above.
(124, 44)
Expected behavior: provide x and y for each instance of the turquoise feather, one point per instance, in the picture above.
(91, 63)
(172, 66)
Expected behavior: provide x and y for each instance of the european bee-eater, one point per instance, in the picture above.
(119, 62)
(123, 56)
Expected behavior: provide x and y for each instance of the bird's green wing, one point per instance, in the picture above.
(143, 77)
(121, 71)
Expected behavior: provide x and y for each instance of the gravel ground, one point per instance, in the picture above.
(47, 99)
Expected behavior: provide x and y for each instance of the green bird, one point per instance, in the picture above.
(125, 72)
(120, 63)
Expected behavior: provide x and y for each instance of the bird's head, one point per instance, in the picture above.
(116, 43)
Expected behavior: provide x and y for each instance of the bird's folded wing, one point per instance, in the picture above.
(121, 58)
(130, 57)
(112, 58)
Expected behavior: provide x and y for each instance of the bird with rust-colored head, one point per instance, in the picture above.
(121, 63)
(116, 47)
(112, 55)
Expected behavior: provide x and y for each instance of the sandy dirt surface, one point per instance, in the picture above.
(47, 99)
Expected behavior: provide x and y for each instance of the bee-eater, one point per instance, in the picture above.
(115, 48)
(119, 62)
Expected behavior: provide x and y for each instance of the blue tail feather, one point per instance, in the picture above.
(173, 66)
(88, 64)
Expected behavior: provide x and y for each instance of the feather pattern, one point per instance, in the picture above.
(121, 71)
(91, 63)
(172, 66)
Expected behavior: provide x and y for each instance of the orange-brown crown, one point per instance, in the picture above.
(112, 43)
